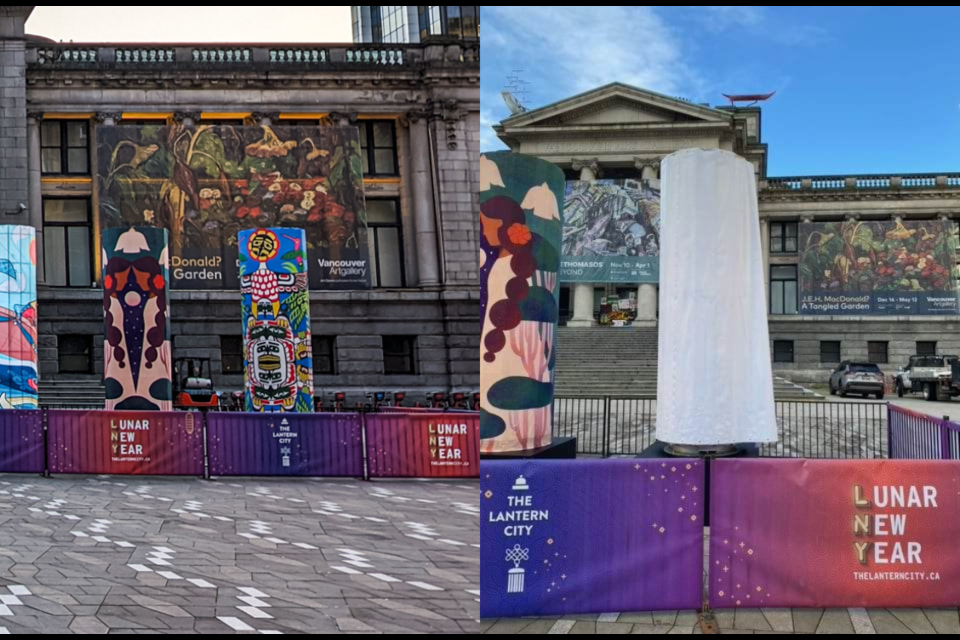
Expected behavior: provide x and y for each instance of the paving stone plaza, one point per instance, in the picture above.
(111, 554)
(746, 621)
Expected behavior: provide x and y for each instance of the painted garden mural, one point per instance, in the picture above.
(520, 216)
(878, 267)
(206, 183)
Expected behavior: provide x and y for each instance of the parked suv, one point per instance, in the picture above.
(857, 377)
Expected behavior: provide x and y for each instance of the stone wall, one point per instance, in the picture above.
(902, 334)
(447, 326)
(14, 189)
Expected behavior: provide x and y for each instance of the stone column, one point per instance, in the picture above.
(14, 188)
(407, 221)
(35, 199)
(647, 299)
(423, 204)
(583, 292)
(765, 250)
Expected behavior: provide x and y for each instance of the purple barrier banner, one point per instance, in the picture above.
(125, 442)
(584, 536)
(423, 445)
(285, 444)
(21, 441)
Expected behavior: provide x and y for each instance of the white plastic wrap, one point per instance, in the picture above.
(714, 381)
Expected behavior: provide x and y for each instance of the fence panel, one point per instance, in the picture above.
(423, 445)
(21, 441)
(917, 436)
(610, 426)
(125, 442)
(275, 444)
(830, 430)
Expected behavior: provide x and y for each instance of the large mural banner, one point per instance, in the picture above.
(834, 533)
(611, 232)
(278, 360)
(878, 268)
(18, 318)
(520, 219)
(564, 537)
(206, 183)
(136, 349)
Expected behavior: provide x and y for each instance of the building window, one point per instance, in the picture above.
(829, 351)
(783, 237)
(67, 235)
(470, 21)
(324, 355)
(385, 243)
(783, 350)
(378, 142)
(783, 289)
(458, 21)
(399, 355)
(877, 352)
(355, 17)
(75, 354)
(389, 23)
(926, 348)
(64, 147)
(431, 21)
(231, 354)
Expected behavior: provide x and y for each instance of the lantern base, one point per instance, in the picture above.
(559, 448)
(702, 450)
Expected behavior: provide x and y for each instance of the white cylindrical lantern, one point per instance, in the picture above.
(714, 381)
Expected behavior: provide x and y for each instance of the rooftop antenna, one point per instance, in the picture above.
(515, 91)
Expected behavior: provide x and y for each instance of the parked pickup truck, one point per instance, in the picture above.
(936, 377)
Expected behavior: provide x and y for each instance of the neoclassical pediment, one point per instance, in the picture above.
(612, 105)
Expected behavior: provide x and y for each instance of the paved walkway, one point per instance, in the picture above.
(868, 621)
(148, 555)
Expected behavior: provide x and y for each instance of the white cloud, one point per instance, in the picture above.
(723, 18)
(488, 139)
(577, 48)
(759, 23)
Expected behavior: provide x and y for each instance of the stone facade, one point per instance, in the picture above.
(625, 131)
(429, 91)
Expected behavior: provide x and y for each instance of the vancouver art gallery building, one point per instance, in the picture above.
(857, 267)
(410, 319)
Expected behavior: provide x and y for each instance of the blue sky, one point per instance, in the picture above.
(859, 89)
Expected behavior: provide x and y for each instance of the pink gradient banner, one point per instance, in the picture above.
(834, 533)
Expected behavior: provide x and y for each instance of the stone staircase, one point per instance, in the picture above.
(72, 394)
(606, 361)
(784, 389)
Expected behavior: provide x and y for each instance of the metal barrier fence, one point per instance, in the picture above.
(442, 444)
(918, 436)
(610, 426)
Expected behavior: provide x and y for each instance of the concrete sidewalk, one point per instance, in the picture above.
(791, 621)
